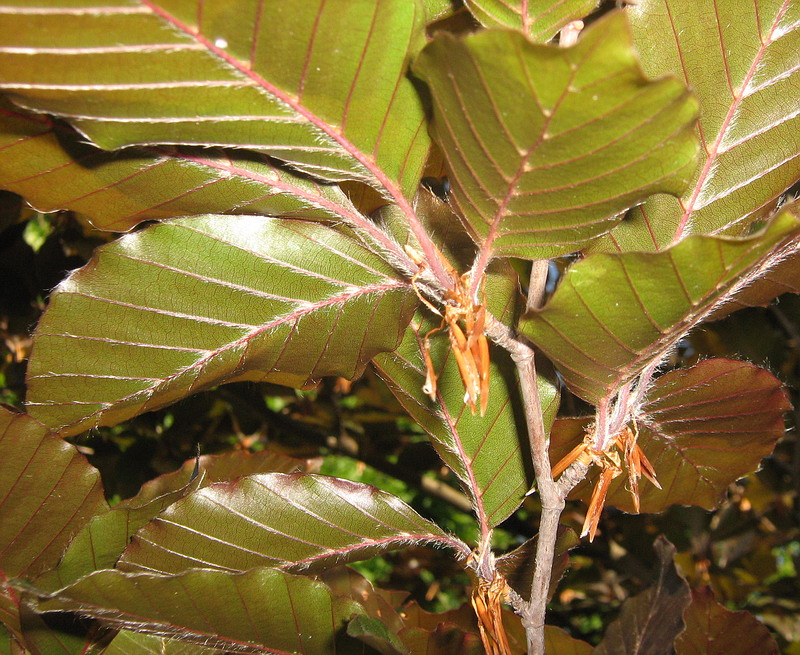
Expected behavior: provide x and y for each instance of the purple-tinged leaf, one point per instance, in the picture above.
(189, 304)
(294, 522)
(613, 315)
(649, 622)
(517, 566)
(322, 85)
(702, 428)
(260, 611)
(99, 544)
(711, 629)
(47, 492)
(539, 20)
(545, 146)
(742, 61)
(488, 454)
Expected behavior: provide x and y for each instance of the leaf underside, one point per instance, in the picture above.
(545, 146)
(260, 611)
(742, 61)
(538, 19)
(52, 167)
(216, 298)
(614, 314)
(289, 521)
(702, 428)
(252, 74)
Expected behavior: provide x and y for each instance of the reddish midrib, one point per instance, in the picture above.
(712, 154)
(332, 132)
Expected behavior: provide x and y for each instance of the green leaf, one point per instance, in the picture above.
(259, 611)
(615, 314)
(489, 454)
(188, 304)
(102, 540)
(47, 492)
(545, 146)
(540, 20)
(741, 61)
(52, 167)
(135, 643)
(290, 521)
(320, 85)
(702, 428)
(650, 621)
(713, 630)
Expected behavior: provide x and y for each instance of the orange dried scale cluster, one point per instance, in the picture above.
(610, 464)
(469, 345)
(486, 599)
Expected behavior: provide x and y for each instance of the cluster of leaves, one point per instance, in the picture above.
(280, 151)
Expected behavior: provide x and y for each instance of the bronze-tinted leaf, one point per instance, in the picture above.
(545, 146)
(650, 621)
(711, 629)
(191, 303)
(289, 521)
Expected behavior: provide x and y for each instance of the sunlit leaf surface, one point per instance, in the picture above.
(214, 298)
(489, 454)
(613, 314)
(742, 61)
(545, 146)
(538, 19)
(134, 643)
(711, 629)
(102, 540)
(320, 84)
(260, 611)
(294, 522)
(702, 428)
(52, 167)
(47, 492)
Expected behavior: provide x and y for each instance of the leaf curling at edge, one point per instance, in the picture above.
(616, 314)
(544, 175)
(257, 611)
(701, 427)
(215, 299)
(296, 522)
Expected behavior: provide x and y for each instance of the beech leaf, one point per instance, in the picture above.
(99, 544)
(742, 61)
(615, 314)
(47, 492)
(216, 298)
(320, 85)
(489, 454)
(134, 643)
(289, 521)
(537, 19)
(260, 611)
(52, 167)
(649, 622)
(545, 146)
(702, 428)
(711, 629)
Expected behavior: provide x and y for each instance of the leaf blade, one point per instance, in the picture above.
(217, 298)
(543, 176)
